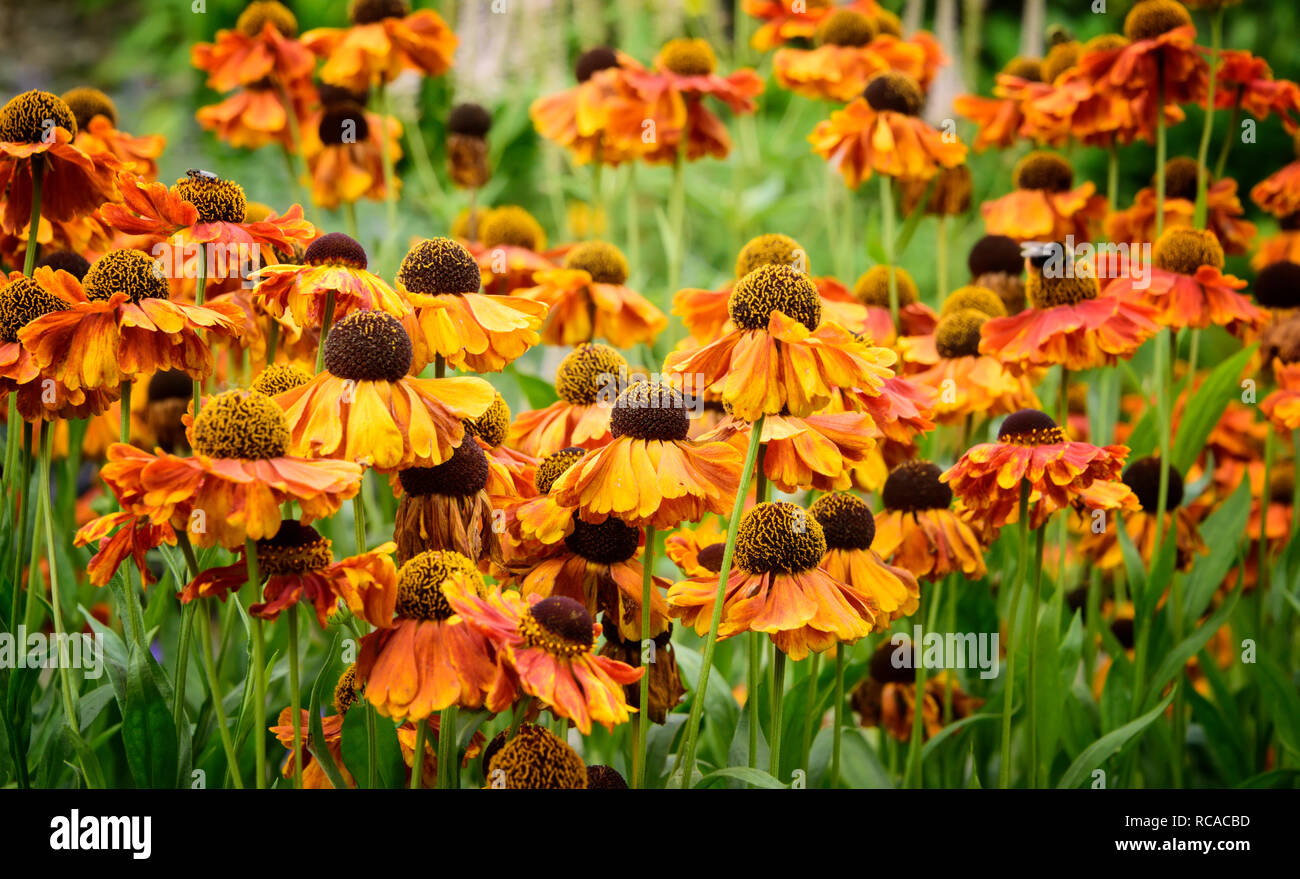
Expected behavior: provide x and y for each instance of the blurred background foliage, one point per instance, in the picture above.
(513, 50)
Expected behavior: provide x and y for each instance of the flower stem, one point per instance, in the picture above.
(295, 696)
(1233, 118)
(359, 519)
(448, 772)
(1022, 561)
(56, 603)
(941, 254)
(643, 705)
(259, 669)
(1035, 600)
(633, 231)
(417, 756)
(677, 219)
(836, 733)
(778, 700)
(751, 696)
(34, 226)
(326, 321)
(687, 759)
(390, 190)
(1203, 153)
(887, 224)
(1112, 174)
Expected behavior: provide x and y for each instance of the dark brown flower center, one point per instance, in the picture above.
(1030, 427)
(779, 537)
(335, 248)
(846, 521)
(241, 424)
(914, 486)
(559, 625)
(439, 265)
(368, 346)
(650, 411)
(464, 474)
(605, 543)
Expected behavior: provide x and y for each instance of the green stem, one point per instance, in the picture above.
(417, 759)
(1231, 135)
(687, 759)
(1035, 601)
(359, 520)
(327, 321)
(259, 669)
(182, 667)
(887, 224)
(751, 697)
(22, 513)
(204, 626)
(295, 696)
(941, 254)
(643, 717)
(677, 218)
(633, 220)
(56, 602)
(34, 225)
(836, 733)
(1166, 346)
(778, 705)
(390, 191)
(1022, 561)
(448, 770)
(914, 772)
(1203, 153)
(1112, 175)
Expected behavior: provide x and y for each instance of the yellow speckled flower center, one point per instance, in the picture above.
(258, 13)
(958, 333)
(295, 549)
(1183, 250)
(133, 272)
(553, 467)
(1048, 292)
(846, 27)
(1151, 18)
(32, 117)
(584, 371)
(21, 302)
(439, 265)
(87, 103)
(872, 287)
(512, 226)
(779, 537)
(278, 378)
(215, 199)
(772, 288)
(1045, 171)
(420, 582)
(687, 57)
(241, 424)
(603, 261)
(536, 759)
(771, 249)
(346, 692)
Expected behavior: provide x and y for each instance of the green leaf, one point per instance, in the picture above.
(388, 753)
(537, 392)
(1280, 696)
(752, 777)
(148, 735)
(316, 739)
(1176, 659)
(1048, 693)
(1101, 750)
(1221, 741)
(1208, 572)
(1206, 406)
(951, 730)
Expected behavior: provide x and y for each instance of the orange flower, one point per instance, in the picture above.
(97, 132)
(776, 587)
(385, 39)
(685, 70)
(544, 648)
(1043, 206)
(1224, 217)
(333, 269)
(510, 472)
(1002, 119)
(298, 564)
(344, 144)
(650, 473)
(1279, 193)
(1070, 322)
(601, 118)
(262, 46)
(202, 209)
(785, 20)
(900, 414)
(510, 247)
(22, 301)
(234, 485)
(1031, 448)
(1143, 478)
(819, 451)
(1187, 286)
(122, 326)
(781, 357)
(1282, 407)
(1246, 81)
(73, 183)
(948, 361)
(447, 507)
(465, 327)
(588, 299)
(918, 530)
(366, 406)
(852, 559)
(133, 539)
(581, 416)
(535, 524)
(257, 114)
(697, 549)
(427, 658)
(849, 54)
(1282, 247)
(597, 566)
(1161, 60)
(881, 133)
